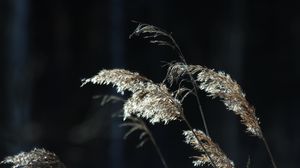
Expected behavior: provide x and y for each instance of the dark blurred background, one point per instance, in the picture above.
(47, 47)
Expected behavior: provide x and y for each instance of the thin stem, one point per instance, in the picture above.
(160, 32)
(155, 145)
(200, 109)
(269, 151)
(198, 140)
(177, 48)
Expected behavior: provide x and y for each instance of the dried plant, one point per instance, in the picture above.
(154, 103)
(122, 79)
(134, 123)
(149, 100)
(152, 32)
(219, 84)
(159, 36)
(36, 158)
(234, 99)
(212, 150)
(138, 124)
(157, 104)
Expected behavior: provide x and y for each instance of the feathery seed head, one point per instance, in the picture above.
(154, 103)
(211, 149)
(36, 158)
(220, 84)
(122, 79)
(149, 100)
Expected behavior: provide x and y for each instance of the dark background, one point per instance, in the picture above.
(47, 47)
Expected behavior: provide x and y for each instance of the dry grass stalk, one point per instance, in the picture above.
(212, 149)
(36, 158)
(219, 84)
(153, 33)
(151, 101)
(161, 37)
(138, 124)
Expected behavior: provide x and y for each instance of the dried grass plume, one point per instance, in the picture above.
(36, 158)
(149, 100)
(211, 149)
(219, 84)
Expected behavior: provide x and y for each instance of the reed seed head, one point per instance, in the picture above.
(220, 84)
(36, 158)
(213, 150)
(149, 100)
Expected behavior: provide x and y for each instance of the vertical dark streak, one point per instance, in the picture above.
(18, 82)
(117, 60)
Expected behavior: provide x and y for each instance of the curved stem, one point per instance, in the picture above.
(200, 109)
(177, 48)
(198, 140)
(155, 146)
(156, 31)
(269, 151)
